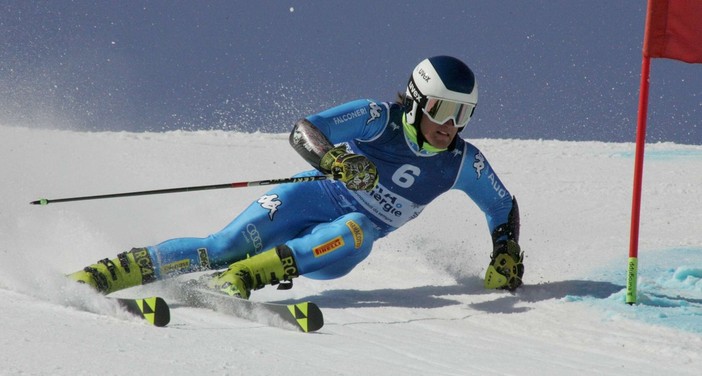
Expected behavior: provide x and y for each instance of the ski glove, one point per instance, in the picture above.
(356, 171)
(506, 269)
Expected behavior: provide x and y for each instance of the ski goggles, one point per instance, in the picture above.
(440, 111)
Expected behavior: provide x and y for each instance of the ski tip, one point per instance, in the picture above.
(41, 201)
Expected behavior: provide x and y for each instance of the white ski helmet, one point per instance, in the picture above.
(443, 88)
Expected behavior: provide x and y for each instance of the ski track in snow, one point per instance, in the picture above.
(416, 306)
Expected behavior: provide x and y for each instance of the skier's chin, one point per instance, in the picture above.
(441, 140)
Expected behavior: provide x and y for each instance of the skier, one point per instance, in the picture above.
(388, 161)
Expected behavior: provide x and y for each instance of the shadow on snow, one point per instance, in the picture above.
(441, 296)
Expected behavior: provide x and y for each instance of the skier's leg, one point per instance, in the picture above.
(330, 250)
(283, 213)
(333, 249)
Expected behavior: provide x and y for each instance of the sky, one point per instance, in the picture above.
(415, 306)
(546, 69)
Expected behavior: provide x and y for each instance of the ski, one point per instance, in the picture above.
(302, 316)
(154, 309)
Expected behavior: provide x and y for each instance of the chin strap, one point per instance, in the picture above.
(413, 117)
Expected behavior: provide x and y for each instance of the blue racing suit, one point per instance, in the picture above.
(331, 229)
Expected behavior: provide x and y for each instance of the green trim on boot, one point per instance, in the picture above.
(271, 267)
(129, 269)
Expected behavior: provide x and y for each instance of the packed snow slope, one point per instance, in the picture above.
(416, 306)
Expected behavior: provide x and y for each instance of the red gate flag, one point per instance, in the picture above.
(674, 30)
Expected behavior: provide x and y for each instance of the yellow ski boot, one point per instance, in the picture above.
(271, 267)
(129, 269)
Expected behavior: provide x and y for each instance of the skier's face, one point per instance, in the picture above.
(438, 135)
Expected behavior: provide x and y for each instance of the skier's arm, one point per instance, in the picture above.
(356, 171)
(310, 142)
(313, 136)
(481, 183)
(483, 186)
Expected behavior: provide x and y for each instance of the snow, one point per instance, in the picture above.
(416, 306)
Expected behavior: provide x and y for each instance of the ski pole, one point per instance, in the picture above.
(44, 201)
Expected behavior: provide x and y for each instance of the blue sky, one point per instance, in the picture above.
(546, 69)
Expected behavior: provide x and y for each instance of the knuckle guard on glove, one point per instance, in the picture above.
(506, 268)
(356, 171)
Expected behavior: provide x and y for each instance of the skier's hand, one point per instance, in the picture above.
(506, 269)
(356, 171)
